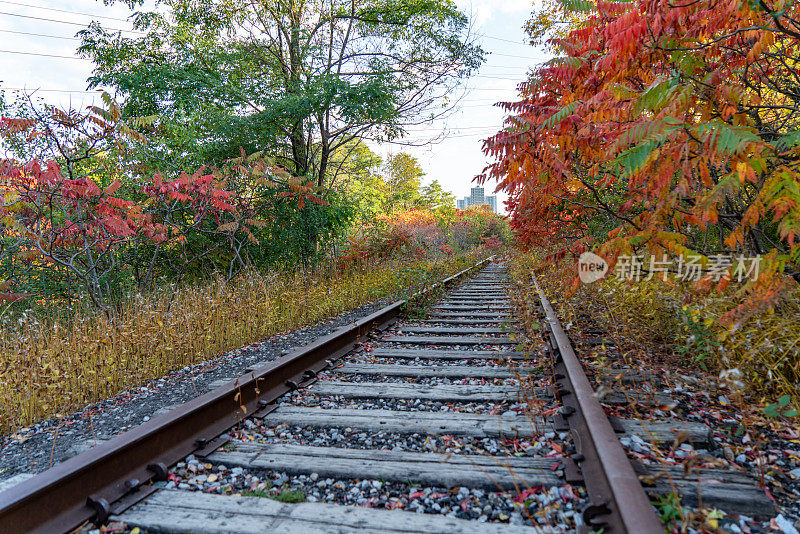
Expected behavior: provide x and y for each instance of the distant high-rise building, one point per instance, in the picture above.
(477, 198)
(476, 194)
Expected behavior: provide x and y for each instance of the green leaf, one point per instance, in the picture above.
(579, 6)
(560, 115)
(634, 159)
(655, 96)
(574, 62)
(621, 91)
(791, 413)
(787, 141)
(725, 137)
(785, 400)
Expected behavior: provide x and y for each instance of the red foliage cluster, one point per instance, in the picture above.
(662, 124)
(415, 232)
(53, 211)
(78, 214)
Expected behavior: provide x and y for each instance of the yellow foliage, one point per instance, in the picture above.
(663, 317)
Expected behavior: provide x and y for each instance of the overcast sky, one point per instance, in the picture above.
(61, 77)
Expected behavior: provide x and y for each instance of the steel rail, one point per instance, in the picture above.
(114, 475)
(619, 504)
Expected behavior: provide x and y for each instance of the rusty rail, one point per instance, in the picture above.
(115, 475)
(618, 503)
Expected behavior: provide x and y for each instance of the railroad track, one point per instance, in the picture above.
(441, 415)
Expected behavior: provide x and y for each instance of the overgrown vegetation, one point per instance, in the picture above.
(225, 193)
(667, 134)
(112, 278)
(52, 366)
(684, 320)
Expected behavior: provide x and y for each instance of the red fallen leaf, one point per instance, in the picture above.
(416, 495)
(521, 497)
(555, 466)
(464, 504)
(393, 505)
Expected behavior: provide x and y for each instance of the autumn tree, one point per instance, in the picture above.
(667, 128)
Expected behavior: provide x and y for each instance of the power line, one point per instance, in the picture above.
(484, 76)
(40, 90)
(509, 67)
(62, 10)
(40, 35)
(490, 89)
(41, 54)
(412, 141)
(94, 16)
(460, 128)
(512, 55)
(504, 40)
(489, 77)
(466, 100)
(65, 22)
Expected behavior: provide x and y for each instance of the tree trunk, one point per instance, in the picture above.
(325, 152)
(298, 140)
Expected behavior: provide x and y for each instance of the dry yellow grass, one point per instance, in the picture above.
(764, 351)
(52, 367)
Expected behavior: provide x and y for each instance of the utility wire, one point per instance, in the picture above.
(40, 90)
(40, 35)
(504, 40)
(41, 54)
(477, 136)
(62, 10)
(512, 55)
(126, 20)
(83, 25)
(459, 128)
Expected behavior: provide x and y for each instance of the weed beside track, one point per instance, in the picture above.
(56, 366)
